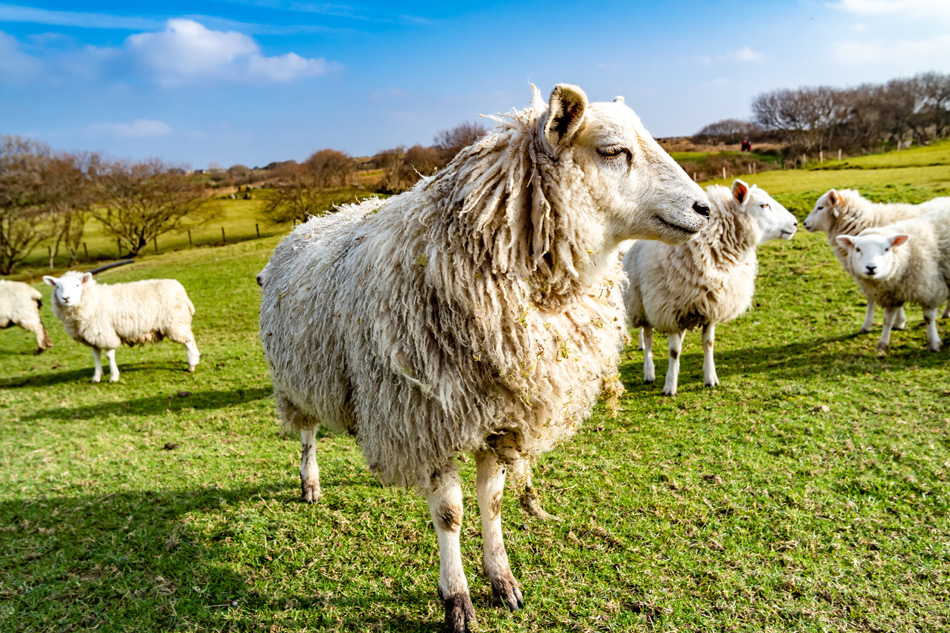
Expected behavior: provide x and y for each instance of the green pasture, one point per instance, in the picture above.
(809, 492)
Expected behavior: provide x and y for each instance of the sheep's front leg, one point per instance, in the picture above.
(933, 337)
(673, 373)
(490, 482)
(445, 506)
(640, 344)
(890, 315)
(868, 324)
(309, 471)
(946, 311)
(709, 364)
(113, 368)
(97, 374)
(649, 371)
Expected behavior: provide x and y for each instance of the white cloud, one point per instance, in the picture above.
(744, 54)
(918, 9)
(140, 128)
(14, 63)
(910, 54)
(187, 50)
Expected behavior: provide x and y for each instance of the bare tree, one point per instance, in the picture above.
(22, 214)
(68, 196)
(298, 194)
(729, 130)
(140, 201)
(402, 167)
(450, 142)
(330, 168)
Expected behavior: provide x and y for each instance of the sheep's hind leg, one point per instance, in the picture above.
(673, 373)
(309, 471)
(649, 371)
(900, 321)
(933, 337)
(43, 341)
(709, 363)
(946, 311)
(97, 374)
(890, 315)
(113, 367)
(445, 506)
(490, 485)
(640, 339)
(194, 356)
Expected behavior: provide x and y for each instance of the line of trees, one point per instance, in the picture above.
(46, 195)
(915, 109)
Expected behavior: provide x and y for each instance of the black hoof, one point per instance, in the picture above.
(459, 612)
(505, 591)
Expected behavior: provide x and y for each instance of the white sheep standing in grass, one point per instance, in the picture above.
(20, 305)
(903, 262)
(480, 312)
(847, 212)
(710, 280)
(105, 316)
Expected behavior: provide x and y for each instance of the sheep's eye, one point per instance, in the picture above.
(764, 206)
(858, 249)
(613, 151)
(820, 208)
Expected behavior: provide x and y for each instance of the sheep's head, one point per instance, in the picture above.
(872, 256)
(774, 220)
(640, 190)
(67, 290)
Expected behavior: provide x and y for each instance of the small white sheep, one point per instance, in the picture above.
(105, 316)
(903, 262)
(846, 212)
(706, 281)
(20, 305)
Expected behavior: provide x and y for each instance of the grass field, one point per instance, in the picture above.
(809, 492)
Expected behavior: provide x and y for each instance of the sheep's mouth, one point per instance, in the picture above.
(788, 234)
(677, 227)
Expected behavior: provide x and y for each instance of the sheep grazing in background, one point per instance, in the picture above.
(105, 316)
(710, 280)
(846, 212)
(903, 262)
(479, 312)
(20, 305)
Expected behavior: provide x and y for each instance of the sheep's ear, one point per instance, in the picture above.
(845, 240)
(740, 191)
(86, 277)
(565, 114)
(619, 99)
(50, 280)
(897, 240)
(833, 197)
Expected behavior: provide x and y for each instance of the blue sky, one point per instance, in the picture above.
(254, 81)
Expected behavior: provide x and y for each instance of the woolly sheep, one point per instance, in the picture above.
(846, 212)
(903, 262)
(710, 280)
(479, 312)
(20, 305)
(105, 316)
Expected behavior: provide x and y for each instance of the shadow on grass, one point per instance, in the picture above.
(38, 379)
(796, 360)
(170, 560)
(173, 402)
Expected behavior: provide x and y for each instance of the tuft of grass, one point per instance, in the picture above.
(809, 492)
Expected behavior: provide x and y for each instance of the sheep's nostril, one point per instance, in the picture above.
(701, 209)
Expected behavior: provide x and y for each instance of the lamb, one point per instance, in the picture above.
(20, 305)
(105, 316)
(479, 312)
(710, 280)
(903, 262)
(846, 212)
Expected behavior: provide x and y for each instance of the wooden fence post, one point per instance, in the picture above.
(839, 153)
(258, 229)
(724, 173)
(155, 243)
(86, 249)
(189, 238)
(118, 246)
(223, 239)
